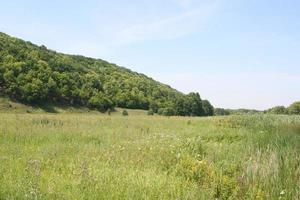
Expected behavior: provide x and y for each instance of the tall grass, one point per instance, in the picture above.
(90, 156)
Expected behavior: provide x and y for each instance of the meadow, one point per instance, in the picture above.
(100, 156)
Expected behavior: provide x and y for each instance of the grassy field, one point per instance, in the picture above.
(8, 106)
(97, 156)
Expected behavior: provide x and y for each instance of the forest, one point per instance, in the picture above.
(35, 75)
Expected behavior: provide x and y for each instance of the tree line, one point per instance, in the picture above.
(33, 74)
(293, 109)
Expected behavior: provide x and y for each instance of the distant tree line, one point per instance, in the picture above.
(35, 75)
(293, 109)
(222, 111)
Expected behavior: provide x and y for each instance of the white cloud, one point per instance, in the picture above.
(118, 27)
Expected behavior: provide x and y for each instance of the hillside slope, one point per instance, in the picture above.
(34, 75)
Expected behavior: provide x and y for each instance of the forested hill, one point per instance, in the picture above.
(36, 75)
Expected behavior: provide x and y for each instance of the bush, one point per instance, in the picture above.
(100, 102)
(278, 110)
(125, 113)
(150, 112)
(194, 170)
(221, 111)
(166, 111)
(294, 109)
(160, 111)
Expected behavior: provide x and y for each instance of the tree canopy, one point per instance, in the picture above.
(221, 111)
(294, 109)
(35, 75)
(279, 110)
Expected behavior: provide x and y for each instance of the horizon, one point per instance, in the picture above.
(233, 58)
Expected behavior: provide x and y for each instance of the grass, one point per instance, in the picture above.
(97, 156)
(9, 106)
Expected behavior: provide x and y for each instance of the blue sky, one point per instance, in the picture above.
(236, 53)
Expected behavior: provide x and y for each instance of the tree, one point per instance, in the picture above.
(193, 105)
(279, 110)
(207, 108)
(221, 111)
(294, 109)
(100, 102)
(181, 106)
(34, 91)
(1, 75)
(150, 112)
(166, 111)
(153, 106)
(35, 74)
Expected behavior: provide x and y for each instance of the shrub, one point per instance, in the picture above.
(150, 112)
(100, 102)
(221, 111)
(160, 111)
(166, 111)
(279, 110)
(225, 187)
(294, 109)
(195, 170)
(125, 113)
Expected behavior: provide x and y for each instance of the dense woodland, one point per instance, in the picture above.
(33, 74)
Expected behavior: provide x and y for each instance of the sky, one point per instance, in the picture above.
(235, 53)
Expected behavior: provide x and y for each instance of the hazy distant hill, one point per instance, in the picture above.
(36, 75)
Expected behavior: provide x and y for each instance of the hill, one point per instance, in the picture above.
(35, 75)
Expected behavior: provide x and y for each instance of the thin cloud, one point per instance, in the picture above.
(166, 28)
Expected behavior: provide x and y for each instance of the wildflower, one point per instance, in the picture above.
(201, 162)
(194, 169)
(282, 192)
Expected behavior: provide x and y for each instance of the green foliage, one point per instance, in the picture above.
(36, 75)
(243, 111)
(125, 113)
(294, 109)
(191, 105)
(279, 110)
(150, 112)
(221, 111)
(153, 106)
(207, 108)
(169, 111)
(100, 102)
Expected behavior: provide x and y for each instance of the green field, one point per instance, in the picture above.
(97, 156)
